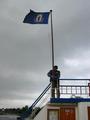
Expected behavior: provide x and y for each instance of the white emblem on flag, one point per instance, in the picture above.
(39, 18)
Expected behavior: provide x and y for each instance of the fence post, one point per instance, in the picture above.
(89, 88)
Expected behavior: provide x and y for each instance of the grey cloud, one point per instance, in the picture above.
(25, 50)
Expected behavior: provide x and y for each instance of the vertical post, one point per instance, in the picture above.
(52, 48)
(89, 88)
(52, 42)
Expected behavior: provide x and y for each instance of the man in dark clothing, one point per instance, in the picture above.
(54, 79)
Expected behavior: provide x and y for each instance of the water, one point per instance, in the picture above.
(8, 117)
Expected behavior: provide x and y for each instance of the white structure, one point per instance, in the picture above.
(65, 109)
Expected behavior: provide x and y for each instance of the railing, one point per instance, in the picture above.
(80, 87)
(29, 111)
(72, 89)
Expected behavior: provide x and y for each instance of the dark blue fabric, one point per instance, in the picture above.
(36, 17)
(69, 100)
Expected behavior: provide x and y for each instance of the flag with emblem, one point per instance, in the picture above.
(36, 17)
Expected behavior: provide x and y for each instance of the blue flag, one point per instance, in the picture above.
(36, 17)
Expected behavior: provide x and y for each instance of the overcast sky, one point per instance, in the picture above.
(25, 49)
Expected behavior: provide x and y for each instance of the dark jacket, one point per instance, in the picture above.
(54, 75)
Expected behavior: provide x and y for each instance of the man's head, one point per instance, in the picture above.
(55, 67)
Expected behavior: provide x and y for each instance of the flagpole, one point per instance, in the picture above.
(52, 41)
(52, 47)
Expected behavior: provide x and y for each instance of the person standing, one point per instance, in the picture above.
(54, 79)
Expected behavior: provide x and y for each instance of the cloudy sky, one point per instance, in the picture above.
(25, 50)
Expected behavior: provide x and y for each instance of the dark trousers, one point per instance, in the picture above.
(55, 86)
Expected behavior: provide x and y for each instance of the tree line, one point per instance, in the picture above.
(16, 111)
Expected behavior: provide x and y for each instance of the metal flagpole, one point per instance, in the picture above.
(52, 47)
(52, 42)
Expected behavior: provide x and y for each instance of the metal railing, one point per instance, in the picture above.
(29, 111)
(75, 86)
(73, 89)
